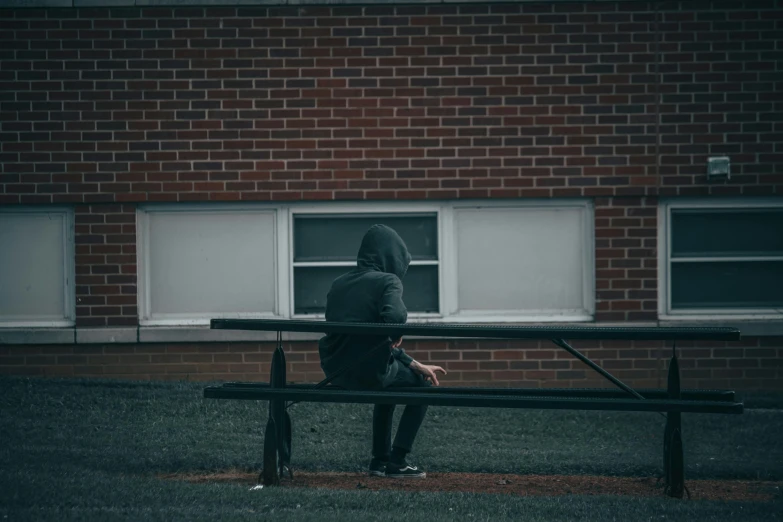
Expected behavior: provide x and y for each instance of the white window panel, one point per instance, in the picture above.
(472, 261)
(202, 263)
(531, 262)
(36, 267)
(496, 261)
(721, 258)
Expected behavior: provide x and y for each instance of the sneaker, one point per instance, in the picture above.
(378, 468)
(403, 470)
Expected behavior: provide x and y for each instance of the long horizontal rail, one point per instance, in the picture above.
(475, 401)
(597, 393)
(483, 331)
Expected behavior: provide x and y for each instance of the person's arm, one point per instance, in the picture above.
(428, 371)
(393, 311)
(399, 354)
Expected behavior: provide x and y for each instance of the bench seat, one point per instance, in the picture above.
(598, 393)
(470, 400)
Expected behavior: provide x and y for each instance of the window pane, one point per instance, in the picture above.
(32, 266)
(747, 232)
(746, 284)
(521, 259)
(311, 284)
(337, 238)
(204, 263)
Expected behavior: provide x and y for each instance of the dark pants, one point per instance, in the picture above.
(383, 415)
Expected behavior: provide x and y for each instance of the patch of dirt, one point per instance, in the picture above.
(508, 484)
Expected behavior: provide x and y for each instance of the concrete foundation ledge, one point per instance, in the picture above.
(105, 335)
(260, 3)
(747, 328)
(37, 336)
(194, 334)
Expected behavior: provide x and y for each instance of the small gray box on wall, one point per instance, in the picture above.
(718, 168)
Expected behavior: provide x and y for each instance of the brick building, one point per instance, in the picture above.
(545, 162)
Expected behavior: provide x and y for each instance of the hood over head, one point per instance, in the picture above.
(384, 250)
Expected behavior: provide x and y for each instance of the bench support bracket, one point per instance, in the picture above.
(608, 376)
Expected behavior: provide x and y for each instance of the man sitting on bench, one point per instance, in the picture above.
(372, 293)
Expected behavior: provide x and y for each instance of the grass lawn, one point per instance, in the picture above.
(91, 450)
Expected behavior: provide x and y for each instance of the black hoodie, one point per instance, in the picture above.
(371, 293)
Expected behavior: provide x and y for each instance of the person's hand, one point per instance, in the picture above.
(427, 371)
(397, 343)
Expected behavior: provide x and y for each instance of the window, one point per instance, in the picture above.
(723, 258)
(525, 261)
(36, 267)
(197, 263)
(488, 261)
(326, 245)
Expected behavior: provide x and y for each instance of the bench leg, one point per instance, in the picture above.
(269, 475)
(673, 451)
(277, 437)
(271, 472)
(283, 420)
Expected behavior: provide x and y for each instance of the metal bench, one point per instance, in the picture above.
(673, 401)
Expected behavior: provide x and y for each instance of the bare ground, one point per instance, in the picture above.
(508, 484)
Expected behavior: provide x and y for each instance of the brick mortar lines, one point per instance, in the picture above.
(117, 174)
(740, 364)
(626, 259)
(106, 282)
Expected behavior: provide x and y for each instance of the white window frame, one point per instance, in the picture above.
(453, 314)
(365, 208)
(664, 258)
(146, 318)
(447, 262)
(69, 287)
(447, 259)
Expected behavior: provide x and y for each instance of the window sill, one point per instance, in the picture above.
(747, 327)
(40, 335)
(202, 334)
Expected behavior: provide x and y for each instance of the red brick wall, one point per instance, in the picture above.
(106, 108)
(626, 259)
(753, 363)
(106, 265)
(539, 100)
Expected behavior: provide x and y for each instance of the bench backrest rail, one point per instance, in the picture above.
(493, 331)
(599, 393)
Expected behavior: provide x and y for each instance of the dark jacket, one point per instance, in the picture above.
(371, 293)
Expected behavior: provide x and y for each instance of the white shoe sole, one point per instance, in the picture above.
(421, 475)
